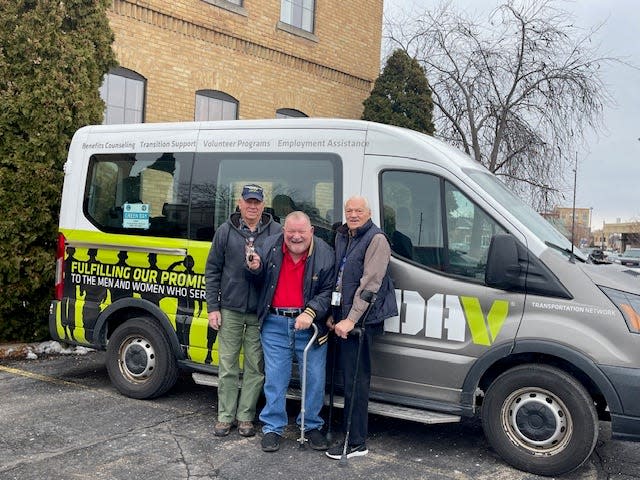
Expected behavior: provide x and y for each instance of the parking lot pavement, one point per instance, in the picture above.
(60, 418)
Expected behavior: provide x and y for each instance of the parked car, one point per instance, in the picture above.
(611, 255)
(595, 254)
(630, 258)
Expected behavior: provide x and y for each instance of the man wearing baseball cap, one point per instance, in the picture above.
(232, 306)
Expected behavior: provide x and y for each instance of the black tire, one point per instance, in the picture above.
(139, 359)
(540, 419)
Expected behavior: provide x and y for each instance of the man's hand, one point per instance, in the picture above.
(329, 323)
(343, 327)
(303, 321)
(254, 263)
(215, 320)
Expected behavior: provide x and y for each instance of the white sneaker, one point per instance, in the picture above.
(352, 451)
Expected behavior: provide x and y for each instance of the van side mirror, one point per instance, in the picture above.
(503, 267)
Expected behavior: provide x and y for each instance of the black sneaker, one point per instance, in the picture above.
(270, 442)
(316, 439)
(352, 451)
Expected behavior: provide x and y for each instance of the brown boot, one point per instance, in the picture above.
(222, 429)
(246, 429)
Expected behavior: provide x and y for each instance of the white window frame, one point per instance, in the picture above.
(235, 6)
(215, 105)
(299, 14)
(123, 92)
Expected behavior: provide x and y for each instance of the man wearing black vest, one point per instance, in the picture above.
(362, 261)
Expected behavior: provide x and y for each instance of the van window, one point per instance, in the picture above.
(308, 182)
(432, 223)
(145, 193)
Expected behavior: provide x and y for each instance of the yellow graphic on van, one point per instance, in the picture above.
(448, 317)
(480, 334)
(97, 277)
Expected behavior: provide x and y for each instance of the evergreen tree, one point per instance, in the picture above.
(53, 56)
(401, 95)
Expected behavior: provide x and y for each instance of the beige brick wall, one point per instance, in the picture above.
(182, 46)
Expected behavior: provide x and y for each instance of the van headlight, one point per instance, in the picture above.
(628, 304)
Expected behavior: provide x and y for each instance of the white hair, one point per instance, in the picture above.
(358, 197)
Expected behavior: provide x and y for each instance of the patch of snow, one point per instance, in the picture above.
(53, 347)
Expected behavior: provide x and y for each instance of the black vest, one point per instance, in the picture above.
(355, 248)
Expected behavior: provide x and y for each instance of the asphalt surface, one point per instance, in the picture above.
(60, 418)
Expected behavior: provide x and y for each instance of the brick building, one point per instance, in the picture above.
(563, 219)
(186, 60)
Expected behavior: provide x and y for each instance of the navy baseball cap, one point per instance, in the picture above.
(253, 191)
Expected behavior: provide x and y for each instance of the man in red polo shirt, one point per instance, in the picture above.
(296, 269)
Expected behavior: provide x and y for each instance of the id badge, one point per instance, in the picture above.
(336, 297)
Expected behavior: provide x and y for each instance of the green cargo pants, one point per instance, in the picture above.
(239, 330)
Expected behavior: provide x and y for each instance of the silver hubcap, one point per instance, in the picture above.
(137, 358)
(537, 420)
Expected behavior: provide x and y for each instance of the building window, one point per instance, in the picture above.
(289, 113)
(234, 6)
(123, 93)
(215, 105)
(298, 13)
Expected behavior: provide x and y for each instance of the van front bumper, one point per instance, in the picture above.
(625, 425)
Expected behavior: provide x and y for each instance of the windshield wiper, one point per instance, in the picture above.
(564, 250)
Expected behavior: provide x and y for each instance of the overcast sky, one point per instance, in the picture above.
(609, 167)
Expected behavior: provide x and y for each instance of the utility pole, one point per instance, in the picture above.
(590, 232)
(573, 211)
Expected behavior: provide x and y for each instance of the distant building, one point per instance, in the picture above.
(620, 235)
(241, 59)
(580, 228)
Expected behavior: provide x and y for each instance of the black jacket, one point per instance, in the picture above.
(318, 279)
(228, 284)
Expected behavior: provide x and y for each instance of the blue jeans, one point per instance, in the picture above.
(279, 343)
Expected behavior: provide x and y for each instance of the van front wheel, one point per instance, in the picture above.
(540, 419)
(139, 359)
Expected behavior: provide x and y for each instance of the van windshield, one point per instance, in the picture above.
(523, 212)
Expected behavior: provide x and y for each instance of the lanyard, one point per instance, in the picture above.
(340, 273)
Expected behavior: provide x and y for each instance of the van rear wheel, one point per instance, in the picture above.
(540, 419)
(139, 359)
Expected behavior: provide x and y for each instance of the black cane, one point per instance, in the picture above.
(360, 332)
(370, 297)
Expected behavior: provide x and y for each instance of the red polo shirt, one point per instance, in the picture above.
(288, 292)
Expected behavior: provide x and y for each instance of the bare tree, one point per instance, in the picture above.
(518, 93)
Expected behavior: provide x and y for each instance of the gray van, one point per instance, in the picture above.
(499, 315)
